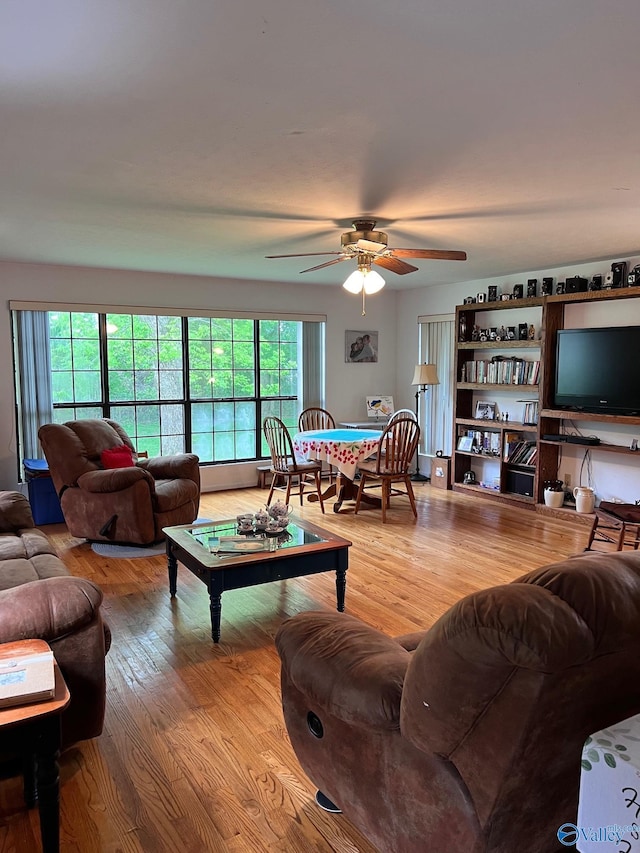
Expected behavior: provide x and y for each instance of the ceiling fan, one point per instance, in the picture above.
(369, 246)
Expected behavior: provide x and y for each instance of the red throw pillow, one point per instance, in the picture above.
(117, 457)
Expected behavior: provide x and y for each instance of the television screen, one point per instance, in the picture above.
(598, 370)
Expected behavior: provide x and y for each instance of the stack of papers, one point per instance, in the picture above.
(26, 673)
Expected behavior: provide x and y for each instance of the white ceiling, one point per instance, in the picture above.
(200, 136)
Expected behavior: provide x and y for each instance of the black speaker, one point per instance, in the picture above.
(520, 483)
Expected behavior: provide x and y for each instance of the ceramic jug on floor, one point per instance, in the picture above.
(585, 499)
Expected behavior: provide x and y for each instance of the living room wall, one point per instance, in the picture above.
(613, 476)
(346, 384)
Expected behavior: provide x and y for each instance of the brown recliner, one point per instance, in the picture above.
(125, 505)
(467, 737)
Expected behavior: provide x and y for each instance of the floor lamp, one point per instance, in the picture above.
(423, 375)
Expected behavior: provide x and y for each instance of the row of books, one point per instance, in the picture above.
(520, 452)
(507, 372)
(530, 414)
(481, 441)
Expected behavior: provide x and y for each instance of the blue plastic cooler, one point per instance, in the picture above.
(45, 505)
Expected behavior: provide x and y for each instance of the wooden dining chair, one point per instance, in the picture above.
(284, 464)
(314, 418)
(398, 445)
(402, 413)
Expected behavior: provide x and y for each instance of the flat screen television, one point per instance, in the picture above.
(598, 370)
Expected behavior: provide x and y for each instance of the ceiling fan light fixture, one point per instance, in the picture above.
(364, 279)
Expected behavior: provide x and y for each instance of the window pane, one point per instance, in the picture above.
(61, 355)
(202, 417)
(121, 385)
(84, 325)
(86, 386)
(120, 355)
(62, 386)
(245, 445)
(146, 384)
(170, 384)
(203, 446)
(201, 384)
(145, 355)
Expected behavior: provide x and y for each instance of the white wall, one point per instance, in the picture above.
(347, 384)
(393, 313)
(611, 475)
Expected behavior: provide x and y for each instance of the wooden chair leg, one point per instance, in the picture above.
(412, 498)
(386, 497)
(621, 538)
(363, 477)
(301, 479)
(319, 489)
(288, 492)
(271, 490)
(592, 533)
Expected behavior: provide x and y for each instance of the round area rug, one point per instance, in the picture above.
(106, 549)
(129, 552)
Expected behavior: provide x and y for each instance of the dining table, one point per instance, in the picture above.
(343, 449)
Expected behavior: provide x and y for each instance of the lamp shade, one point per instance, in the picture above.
(425, 374)
(365, 278)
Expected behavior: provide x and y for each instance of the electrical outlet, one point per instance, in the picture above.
(567, 479)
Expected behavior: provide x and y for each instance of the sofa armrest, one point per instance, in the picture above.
(48, 609)
(182, 466)
(15, 512)
(113, 479)
(345, 667)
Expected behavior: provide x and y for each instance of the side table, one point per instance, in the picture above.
(33, 733)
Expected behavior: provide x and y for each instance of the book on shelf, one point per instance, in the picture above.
(524, 453)
(511, 439)
(508, 371)
(26, 673)
(530, 412)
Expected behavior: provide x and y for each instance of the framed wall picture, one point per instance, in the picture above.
(486, 411)
(360, 347)
(465, 443)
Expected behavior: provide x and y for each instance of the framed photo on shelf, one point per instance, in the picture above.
(465, 442)
(486, 411)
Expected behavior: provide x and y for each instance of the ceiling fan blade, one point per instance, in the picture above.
(434, 254)
(394, 264)
(371, 246)
(304, 255)
(328, 264)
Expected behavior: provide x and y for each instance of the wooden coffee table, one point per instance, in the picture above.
(306, 550)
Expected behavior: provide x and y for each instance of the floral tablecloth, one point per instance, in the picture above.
(342, 448)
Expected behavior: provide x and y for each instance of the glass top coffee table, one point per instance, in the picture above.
(223, 561)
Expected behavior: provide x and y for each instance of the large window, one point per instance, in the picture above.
(175, 383)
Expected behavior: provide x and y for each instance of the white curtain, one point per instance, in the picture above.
(436, 405)
(35, 406)
(312, 364)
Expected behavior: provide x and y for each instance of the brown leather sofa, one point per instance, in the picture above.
(40, 600)
(126, 505)
(467, 737)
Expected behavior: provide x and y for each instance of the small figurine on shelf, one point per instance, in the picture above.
(502, 334)
(532, 332)
(463, 373)
(475, 333)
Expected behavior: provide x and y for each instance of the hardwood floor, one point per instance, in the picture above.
(194, 755)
